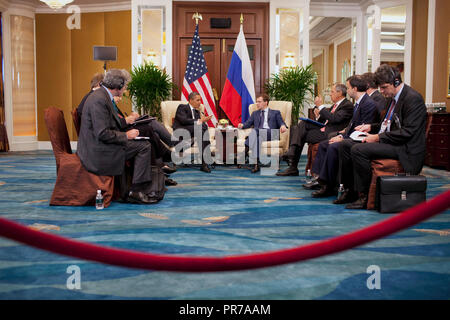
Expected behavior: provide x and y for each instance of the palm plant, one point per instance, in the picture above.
(293, 84)
(149, 86)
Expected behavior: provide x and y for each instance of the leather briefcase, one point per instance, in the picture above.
(398, 193)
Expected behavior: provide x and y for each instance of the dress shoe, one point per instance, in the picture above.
(255, 169)
(170, 182)
(347, 196)
(323, 192)
(290, 171)
(167, 169)
(139, 198)
(313, 185)
(361, 203)
(205, 168)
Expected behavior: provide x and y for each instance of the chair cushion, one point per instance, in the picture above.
(381, 167)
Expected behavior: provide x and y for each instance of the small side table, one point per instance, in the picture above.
(226, 149)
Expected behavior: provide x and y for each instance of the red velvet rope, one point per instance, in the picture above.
(134, 259)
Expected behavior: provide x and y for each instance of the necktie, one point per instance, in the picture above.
(390, 111)
(116, 108)
(334, 108)
(356, 109)
(261, 123)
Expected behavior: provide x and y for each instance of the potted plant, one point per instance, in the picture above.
(149, 86)
(292, 84)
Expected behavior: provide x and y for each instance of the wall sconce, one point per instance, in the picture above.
(56, 4)
(152, 57)
(289, 60)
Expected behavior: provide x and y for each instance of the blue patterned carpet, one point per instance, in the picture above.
(227, 212)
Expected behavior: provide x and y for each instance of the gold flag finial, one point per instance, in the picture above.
(242, 18)
(197, 16)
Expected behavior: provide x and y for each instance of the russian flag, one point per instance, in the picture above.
(239, 90)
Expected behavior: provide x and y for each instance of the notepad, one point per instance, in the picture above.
(317, 123)
(142, 138)
(358, 135)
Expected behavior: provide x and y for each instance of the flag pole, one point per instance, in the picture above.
(242, 19)
(197, 16)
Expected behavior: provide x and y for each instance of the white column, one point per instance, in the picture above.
(19, 142)
(430, 51)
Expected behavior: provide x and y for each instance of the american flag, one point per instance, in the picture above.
(196, 78)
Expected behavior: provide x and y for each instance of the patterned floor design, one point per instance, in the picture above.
(228, 212)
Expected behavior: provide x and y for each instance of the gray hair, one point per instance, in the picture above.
(341, 88)
(116, 79)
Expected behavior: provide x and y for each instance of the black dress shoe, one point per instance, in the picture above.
(255, 169)
(205, 168)
(290, 171)
(170, 182)
(361, 203)
(313, 185)
(167, 169)
(139, 198)
(347, 196)
(325, 191)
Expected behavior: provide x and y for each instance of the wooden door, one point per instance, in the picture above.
(211, 52)
(254, 52)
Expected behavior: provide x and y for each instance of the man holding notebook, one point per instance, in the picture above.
(333, 119)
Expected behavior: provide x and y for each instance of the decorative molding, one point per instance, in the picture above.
(47, 145)
(86, 8)
(332, 9)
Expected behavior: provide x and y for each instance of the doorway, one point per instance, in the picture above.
(218, 41)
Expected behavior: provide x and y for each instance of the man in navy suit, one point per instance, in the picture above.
(263, 121)
(326, 163)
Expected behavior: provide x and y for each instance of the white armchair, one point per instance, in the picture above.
(285, 108)
(168, 111)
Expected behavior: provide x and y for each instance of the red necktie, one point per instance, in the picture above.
(334, 108)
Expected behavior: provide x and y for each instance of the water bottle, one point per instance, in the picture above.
(340, 190)
(308, 178)
(99, 200)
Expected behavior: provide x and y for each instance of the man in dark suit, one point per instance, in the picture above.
(376, 95)
(95, 84)
(399, 135)
(263, 120)
(103, 146)
(188, 117)
(335, 119)
(326, 162)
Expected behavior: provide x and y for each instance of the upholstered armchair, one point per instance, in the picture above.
(269, 147)
(168, 111)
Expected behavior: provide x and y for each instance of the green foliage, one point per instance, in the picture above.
(149, 86)
(293, 84)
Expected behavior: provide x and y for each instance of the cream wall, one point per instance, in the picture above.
(64, 59)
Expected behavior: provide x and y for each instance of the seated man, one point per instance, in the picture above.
(188, 117)
(262, 119)
(399, 135)
(95, 84)
(335, 119)
(103, 146)
(326, 163)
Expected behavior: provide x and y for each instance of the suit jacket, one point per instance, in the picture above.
(81, 105)
(364, 114)
(407, 131)
(274, 119)
(102, 143)
(184, 119)
(380, 101)
(339, 119)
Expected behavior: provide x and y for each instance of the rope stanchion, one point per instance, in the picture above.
(140, 260)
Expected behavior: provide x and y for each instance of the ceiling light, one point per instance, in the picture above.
(56, 4)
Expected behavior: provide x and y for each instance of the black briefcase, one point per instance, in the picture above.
(398, 193)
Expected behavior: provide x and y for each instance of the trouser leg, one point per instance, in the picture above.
(141, 151)
(362, 154)
(345, 174)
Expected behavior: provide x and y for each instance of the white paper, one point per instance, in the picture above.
(358, 135)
